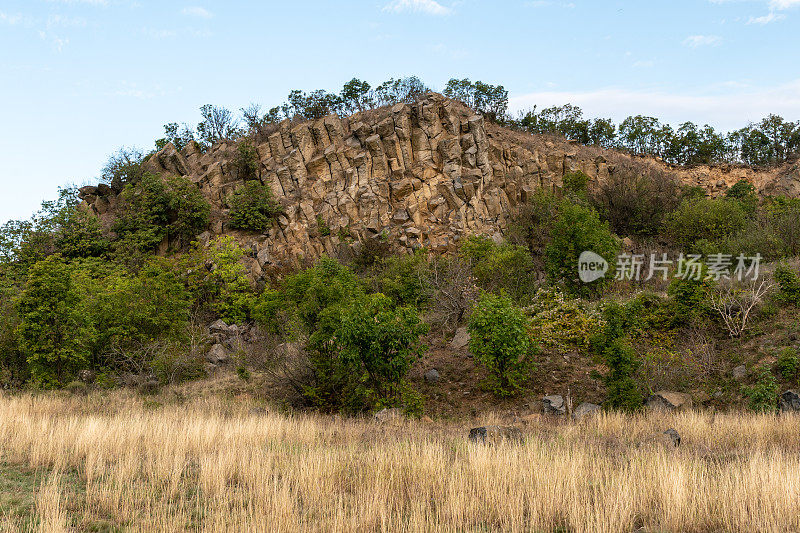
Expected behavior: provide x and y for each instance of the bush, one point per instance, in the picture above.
(55, 334)
(253, 207)
(579, 229)
(499, 341)
(576, 183)
(403, 279)
(246, 161)
(157, 208)
(745, 193)
(635, 202)
(622, 391)
(706, 219)
(531, 225)
(763, 396)
(124, 167)
(788, 284)
(225, 287)
(501, 267)
(788, 364)
(688, 299)
(560, 322)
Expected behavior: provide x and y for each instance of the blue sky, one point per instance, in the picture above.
(80, 78)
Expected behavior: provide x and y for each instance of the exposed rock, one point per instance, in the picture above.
(219, 326)
(460, 339)
(586, 409)
(673, 436)
(790, 401)
(669, 401)
(389, 414)
(432, 376)
(554, 404)
(495, 434)
(217, 354)
(739, 372)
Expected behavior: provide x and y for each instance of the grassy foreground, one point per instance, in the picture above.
(119, 463)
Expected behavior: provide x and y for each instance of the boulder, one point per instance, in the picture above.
(219, 326)
(388, 414)
(217, 354)
(460, 339)
(739, 372)
(554, 405)
(669, 401)
(673, 437)
(432, 375)
(586, 409)
(790, 401)
(495, 434)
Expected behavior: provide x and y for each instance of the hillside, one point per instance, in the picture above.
(425, 175)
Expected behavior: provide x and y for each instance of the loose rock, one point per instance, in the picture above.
(495, 434)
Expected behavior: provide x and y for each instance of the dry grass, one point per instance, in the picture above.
(213, 466)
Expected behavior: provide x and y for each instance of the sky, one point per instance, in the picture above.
(81, 78)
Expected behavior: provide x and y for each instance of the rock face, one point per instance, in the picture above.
(495, 434)
(669, 401)
(422, 174)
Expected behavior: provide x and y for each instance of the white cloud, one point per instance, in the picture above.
(643, 64)
(783, 4)
(695, 41)
(766, 19)
(729, 105)
(10, 19)
(197, 11)
(89, 2)
(59, 21)
(429, 7)
(548, 3)
(58, 43)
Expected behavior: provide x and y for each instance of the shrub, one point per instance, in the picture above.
(157, 208)
(531, 225)
(688, 298)
(224, 288)
(579, 229)
(124, 167)
(371, 250)
(635, 202)
(576, 183)
(504, 266)
(80, 235)
(560, 322)
(745, 194)
(253, 207)
(55, 334)
(500, 342)
(622, 391)
(403, 279)
(788, 364)
(246, 162)
(707, 219)
(788, 284)
(763, 396)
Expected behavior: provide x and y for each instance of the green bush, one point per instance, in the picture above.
(622, 390)
(500, 341)
(402, 278)
(225, 288)
(253, 207)
(498, 267)
(706, 219)
(246, 161)
(788, 364)
(688, 299)
(157, 208)
(576, 183)
(55, 333)
(763, 396)
(531, 225)
(788, 284)
(578, 229)
(745, 194)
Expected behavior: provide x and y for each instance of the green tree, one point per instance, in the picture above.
(54, 332)
(500, 341)
(578, 229)
(708, 219)
(745, 193)
(622, 391)
(253, 207)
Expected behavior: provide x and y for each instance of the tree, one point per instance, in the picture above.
(382, 341)
(179, 137)
(622, 391)
(218, 123)
(123, 167)
(253, 207)
(55, 333)
(356, 95)
(500, 342)
(578, 229)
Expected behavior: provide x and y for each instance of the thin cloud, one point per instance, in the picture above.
(11, 20)
(197, 11)
(783, 4)
(766, 19)
(428, 7)
(695, 41)
(87, 2)
(728, 106)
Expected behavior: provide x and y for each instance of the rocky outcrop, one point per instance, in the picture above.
(423, 174)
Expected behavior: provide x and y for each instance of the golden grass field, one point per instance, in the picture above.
(117, 462)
